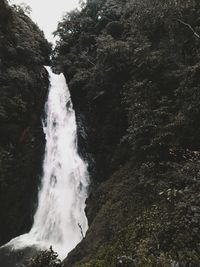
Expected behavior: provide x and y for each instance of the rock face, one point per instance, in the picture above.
(23, 88)
(135, 85)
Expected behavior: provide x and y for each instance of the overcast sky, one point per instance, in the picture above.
(47, 13)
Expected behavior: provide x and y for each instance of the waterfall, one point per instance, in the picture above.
(60, 219)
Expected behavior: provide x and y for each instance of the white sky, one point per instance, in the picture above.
(47, 13)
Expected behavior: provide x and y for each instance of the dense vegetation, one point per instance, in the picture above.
(23, 87)
(46, 258)
(133, 71)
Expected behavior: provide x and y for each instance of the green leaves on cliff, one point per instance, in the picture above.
(140, 52)
(23, 87)
(133, 71)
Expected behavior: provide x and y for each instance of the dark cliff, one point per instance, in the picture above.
(133, 71)
(23, 88)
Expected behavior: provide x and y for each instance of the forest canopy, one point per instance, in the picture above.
(133, 71)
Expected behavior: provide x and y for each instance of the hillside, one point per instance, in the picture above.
(23, 88)
(133, 72)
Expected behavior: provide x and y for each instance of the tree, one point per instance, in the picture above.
(23, 8)
(47, 258)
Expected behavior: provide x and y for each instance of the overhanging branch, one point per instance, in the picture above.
(190, 27)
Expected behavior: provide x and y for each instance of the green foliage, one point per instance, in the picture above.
(94, 263)
(23, 9)
(23, 87)
(133, 71)
(47, 258)
(115, 29)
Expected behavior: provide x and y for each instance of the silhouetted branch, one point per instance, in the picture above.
(81, 229)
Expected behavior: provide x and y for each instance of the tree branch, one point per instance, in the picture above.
(190, 27)
(81, 229)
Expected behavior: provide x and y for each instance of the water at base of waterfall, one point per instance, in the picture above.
(60, 220)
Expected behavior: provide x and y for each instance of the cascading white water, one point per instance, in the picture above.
(60, 219)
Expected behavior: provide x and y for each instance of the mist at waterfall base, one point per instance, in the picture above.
(60, 220)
